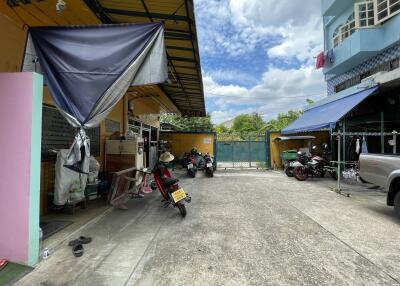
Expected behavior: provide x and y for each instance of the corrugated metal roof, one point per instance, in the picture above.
(185, 88)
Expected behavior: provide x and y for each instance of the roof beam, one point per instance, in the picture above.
(180, 59)
(147, 10)
(145, 15)
(185, 67)
(177, 36)
(98, 10)
(179, 48)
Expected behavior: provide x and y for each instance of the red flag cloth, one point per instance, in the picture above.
(320, 60)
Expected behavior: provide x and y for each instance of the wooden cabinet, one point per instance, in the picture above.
(119, 162)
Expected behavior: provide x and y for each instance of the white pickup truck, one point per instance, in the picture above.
(384, 171)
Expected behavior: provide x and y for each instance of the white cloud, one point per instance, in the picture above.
(289, 31)
(285, 28)
(279, 91)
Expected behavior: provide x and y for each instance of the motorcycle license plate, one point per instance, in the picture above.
(178, 195)
(190, 166)
(209, 165)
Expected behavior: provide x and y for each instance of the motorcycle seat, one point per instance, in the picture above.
(170, 182)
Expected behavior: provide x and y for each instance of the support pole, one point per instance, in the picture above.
(344, 141)
(338, 188)
(382, 132)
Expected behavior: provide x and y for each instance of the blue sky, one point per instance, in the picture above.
(258, 55)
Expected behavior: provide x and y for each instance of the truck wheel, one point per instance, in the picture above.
(397, 204)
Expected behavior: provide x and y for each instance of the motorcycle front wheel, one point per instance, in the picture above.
(192, 173)
(300, 173)
(289, 172)
(182, 209)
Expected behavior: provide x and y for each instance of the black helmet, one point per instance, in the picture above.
(194, 151)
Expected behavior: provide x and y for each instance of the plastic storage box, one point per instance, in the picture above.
(289, 155)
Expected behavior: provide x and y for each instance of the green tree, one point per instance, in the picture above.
(221, 129)
(248, 123)
(283, 120)
(188, 123)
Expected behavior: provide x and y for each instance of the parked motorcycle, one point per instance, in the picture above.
(315, 167)
(209, 167)
(168, 186)
(301, 160)
(191, 164)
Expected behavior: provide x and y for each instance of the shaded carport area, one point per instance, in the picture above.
(254, 228)
(365, 115)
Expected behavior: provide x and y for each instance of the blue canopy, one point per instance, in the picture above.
(325, 116)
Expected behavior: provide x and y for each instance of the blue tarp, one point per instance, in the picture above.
(88, 69)
(83, 65)
(326, 116)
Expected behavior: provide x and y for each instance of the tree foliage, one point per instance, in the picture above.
(283, 120)
(222, 129)
(248, 123)
(188, 123)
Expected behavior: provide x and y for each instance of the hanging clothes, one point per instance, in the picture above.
(331, 56)
(364, 146)
(358, 147)
(320, 60)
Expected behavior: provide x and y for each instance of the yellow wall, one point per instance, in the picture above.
(278, 148)
(12, 44)
(179, 143)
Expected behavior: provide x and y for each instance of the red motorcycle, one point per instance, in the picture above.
(169, 188)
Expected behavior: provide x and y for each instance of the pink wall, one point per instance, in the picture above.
(16, 91)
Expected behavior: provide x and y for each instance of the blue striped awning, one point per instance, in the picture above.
(327, 115)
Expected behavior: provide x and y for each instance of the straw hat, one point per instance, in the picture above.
(166, 157)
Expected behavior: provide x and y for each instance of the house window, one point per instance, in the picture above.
(348, 28)
(336, 37)
(385, 9)
(364, 14)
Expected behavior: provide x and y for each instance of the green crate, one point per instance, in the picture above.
(91, 190)
(289, 155)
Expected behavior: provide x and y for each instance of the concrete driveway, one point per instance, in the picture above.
(242, 228)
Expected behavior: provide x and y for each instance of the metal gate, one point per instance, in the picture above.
(250, 151)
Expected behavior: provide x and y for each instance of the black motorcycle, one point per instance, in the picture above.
(209, 167)
(301, 160)
(315, 167)
(191, 165)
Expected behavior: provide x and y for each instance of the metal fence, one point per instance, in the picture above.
(243, 151)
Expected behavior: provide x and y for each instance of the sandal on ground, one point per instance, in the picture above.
(85, 240)
(3, 263)
(77, 250)
(80, 240)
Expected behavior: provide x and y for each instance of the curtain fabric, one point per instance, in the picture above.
(88, 69)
